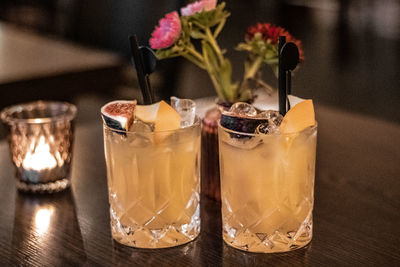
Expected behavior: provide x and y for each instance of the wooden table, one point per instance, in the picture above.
(356, 215)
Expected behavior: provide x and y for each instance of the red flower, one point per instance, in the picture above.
(271, 33)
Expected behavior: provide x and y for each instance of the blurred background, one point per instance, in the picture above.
(78, 50)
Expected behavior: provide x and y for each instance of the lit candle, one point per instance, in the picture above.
(41, 135)
(39, 158)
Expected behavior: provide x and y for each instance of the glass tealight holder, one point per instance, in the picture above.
(40, 136)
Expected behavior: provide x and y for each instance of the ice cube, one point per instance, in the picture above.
(262, 128)
(141, 126)
(242, 108)
(139, 140)
(267, 128)
(273, 129)
(273, 116)
(244, 142)
(186, 109)
(139, 134)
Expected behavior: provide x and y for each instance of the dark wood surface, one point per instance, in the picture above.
(34, 67)
(25, 56)
(356, 215)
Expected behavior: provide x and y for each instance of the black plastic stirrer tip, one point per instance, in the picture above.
(288, 60)
(141, 71)
(281, 78)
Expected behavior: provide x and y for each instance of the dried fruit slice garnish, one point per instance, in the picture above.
(119, 114)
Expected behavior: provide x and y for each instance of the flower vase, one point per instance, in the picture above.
(210, 182)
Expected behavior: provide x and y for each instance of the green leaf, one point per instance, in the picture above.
(259, 48)
(225, 75)
(244, 47)
(196, 34)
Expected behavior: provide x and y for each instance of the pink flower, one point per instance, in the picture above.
(209, 4)
(198, 6)
(167, 32)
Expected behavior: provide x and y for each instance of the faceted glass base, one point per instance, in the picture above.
(278, 241)
(143, 237)
(50, 187)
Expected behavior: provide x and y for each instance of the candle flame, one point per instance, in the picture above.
(39, 158)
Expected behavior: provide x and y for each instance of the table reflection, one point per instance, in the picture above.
(46, 230)
(187, 255)
(241, 258)
(42, 219)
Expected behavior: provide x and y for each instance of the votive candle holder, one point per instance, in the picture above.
(40, 136)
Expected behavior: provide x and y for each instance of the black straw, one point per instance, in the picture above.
(281, 79)
(143, 77)
(288, 87)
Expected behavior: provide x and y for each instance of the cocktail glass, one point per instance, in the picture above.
(267, 189)
(154, 186)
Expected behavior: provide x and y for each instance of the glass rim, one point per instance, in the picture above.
(196, 123)
(68, 113)
(309, 128)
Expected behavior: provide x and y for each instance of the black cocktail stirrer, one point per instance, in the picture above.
(145, 63)
(288, 60)
(281, 78)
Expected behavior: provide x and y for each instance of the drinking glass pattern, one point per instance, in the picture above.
(267, 189)
(154, 186)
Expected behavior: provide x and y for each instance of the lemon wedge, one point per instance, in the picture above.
(147, 113)
(166, 118)
(298, 117)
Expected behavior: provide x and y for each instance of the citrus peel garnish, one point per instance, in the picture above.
(167, 118)
(147, 113)
(298, 118)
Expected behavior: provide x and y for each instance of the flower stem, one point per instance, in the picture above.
(255, 66)
(201, 26)
(211, 73)
(214, 45)
(217, 86)
(219, 28)
(266, 86)
(194, 60)
(198, 57)
(221, 69)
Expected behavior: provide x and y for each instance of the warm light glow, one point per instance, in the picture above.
(39, 158)
(42, 219)
(37, 120)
